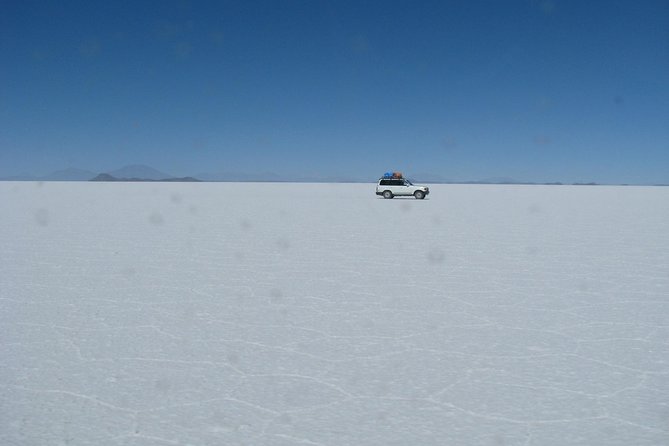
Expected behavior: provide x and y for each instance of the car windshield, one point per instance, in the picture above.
(407, 182)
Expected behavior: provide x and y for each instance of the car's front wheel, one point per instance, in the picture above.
(419, 194)
(387, 194)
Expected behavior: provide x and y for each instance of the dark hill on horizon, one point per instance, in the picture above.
(111, 178)
(139, 171)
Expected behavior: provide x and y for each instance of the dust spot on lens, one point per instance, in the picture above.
(244, 293)
(199, 144)
(285, 419)
(183, 50)
(499, 440)
(42, 217)
(368, 323)
(542, 140)
(176, 198)
(583, 285)
(217, 37)
(246, 224)
(436, 256)
(283, 244)
(405, 206)
(449, 143)
(89, 48)
(156, 218)
(275, 296)
(129, 272)
(192, 209)
(547, 7)
(534, 209)
(233, 357)
(532, 250)
(163, 385)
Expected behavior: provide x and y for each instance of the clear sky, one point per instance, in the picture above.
(533, 90)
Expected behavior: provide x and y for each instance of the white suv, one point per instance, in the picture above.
(390, 187)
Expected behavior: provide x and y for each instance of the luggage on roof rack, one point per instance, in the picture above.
(395, 175)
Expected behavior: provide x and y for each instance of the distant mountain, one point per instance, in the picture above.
(243, 177)
(21, 177)
(108, 177)
(138, 171)
(430, 178)
(278, 178)
(496, 180)
(70, 174)
(141, 172)
(104, 177)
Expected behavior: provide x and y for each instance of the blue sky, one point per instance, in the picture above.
(534, 90)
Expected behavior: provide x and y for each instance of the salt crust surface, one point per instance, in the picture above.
(314, 314)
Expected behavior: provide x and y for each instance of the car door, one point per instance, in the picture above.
(397, 187)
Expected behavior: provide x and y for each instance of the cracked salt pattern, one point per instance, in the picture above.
(294, 314)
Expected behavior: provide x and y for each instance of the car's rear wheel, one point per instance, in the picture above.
(387, 194)
(419, 194)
